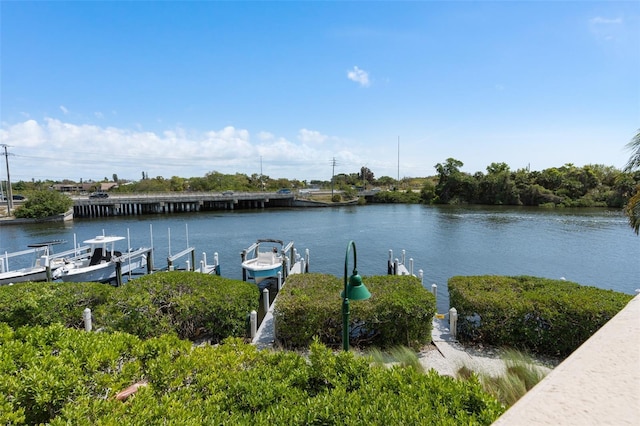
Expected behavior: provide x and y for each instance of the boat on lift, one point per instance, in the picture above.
(263, 259)
(103, 262)
(41, 268)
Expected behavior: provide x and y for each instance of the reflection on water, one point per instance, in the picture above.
(589, 246)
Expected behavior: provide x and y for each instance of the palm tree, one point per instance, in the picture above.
(633, 206)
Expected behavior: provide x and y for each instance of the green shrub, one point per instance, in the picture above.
(44, 369)
(397, 197)
(48, 303)
(190, 304)
(41, 204)
(399, 312)
(60, 376)
(537, 315)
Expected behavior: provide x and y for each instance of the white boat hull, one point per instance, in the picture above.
(96, 273)
(81, 271)
(265, 265)
(25, 275)
(34, 273)
(265, 259)
(260, 273)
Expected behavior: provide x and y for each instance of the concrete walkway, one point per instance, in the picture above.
(449, 355)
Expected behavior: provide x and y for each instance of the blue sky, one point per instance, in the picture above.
(92, 89)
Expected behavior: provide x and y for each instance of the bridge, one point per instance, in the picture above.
(176, 202)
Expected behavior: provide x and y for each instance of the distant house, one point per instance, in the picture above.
(84, 187)
(106, 186)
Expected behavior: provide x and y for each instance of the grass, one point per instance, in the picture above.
(522, 374)
(399, 355)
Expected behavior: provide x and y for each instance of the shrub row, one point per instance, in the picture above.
(538, 315)
(399, 312)
(189, 304)
(58, 376)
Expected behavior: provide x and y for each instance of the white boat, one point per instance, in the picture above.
(41, 269)
(263, 259)
(102, 263)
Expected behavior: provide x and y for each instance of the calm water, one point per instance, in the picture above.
(591, 247)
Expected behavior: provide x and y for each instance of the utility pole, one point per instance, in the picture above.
(9, 194)
(398, 184)
(261, 181)
(333, 172)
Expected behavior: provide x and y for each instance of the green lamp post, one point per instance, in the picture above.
(353, 290)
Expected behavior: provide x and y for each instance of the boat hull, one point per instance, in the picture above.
(97, 273)
(14, 277)
(259, 274)
(103, 272)
(265, 259)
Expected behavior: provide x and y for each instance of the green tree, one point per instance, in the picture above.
(178, 184)
(550, 178)
(428, 192)
(387, 181)
(366, 175)
(42, 204)
(633, 206)
(157, 184)
(497, 187)
(453, 185)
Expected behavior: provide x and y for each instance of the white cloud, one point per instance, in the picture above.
(64, 110)
(607, 21)
(98, 114)
(55, 149)
(265, 136)
(607, 29)
(311, 136)
(359, 76)
(26, 134)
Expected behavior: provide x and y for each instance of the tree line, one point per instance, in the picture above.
(593, 185)
(568, 186)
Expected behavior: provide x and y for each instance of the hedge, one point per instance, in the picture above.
(190, 304)
(399, 312)
(538, 315)
(48, 303)
(59, 376)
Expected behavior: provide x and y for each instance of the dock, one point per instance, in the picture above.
(264, 336)
(400, 266)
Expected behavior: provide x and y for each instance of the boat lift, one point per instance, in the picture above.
(190, 265)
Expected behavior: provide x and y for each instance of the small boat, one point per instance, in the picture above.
(102, 262)
(263, 259)
(41, 268)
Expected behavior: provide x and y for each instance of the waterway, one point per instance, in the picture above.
(594, 247)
